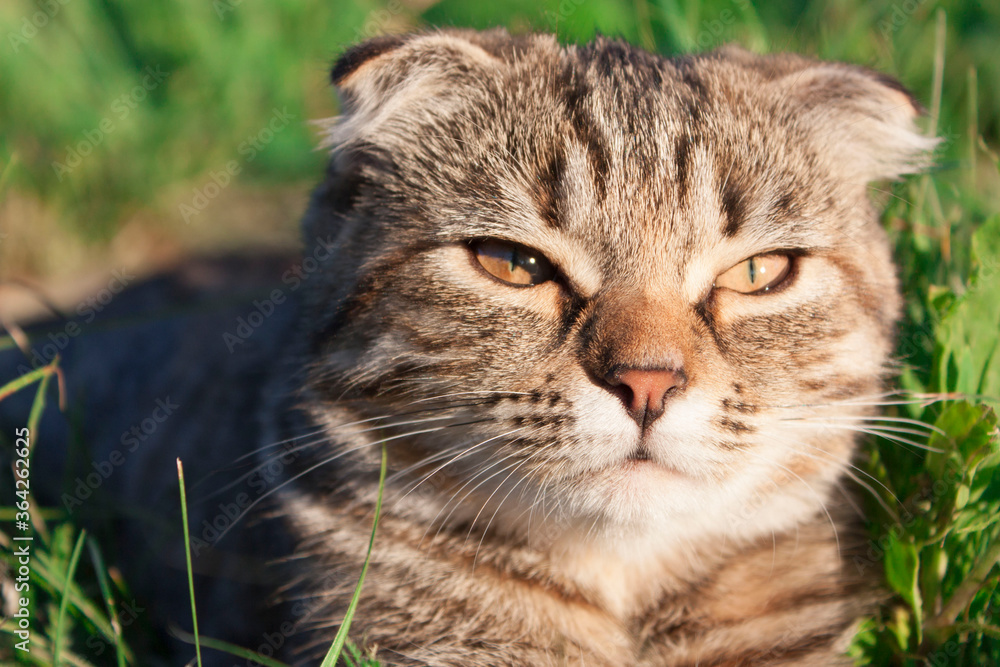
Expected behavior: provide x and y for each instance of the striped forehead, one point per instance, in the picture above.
(642, 163)
(644, 180)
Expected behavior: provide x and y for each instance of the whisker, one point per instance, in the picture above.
(348, 425)
(318, 465)
(475, 558)
(254, 452)
(515, 465)
(848, 470)
(879, 432)
(892, 420)
(488, 392)
(472, 490)
(922, 399)
(504, 499)
(257, 468)
(299, 448)
(836, 533)
(431, 458)
(456, 458)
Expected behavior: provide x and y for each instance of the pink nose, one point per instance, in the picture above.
(644, 391)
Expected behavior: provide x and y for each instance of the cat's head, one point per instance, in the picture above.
(593, 287)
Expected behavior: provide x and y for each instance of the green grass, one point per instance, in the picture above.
(935, 515)
(225, 71)
(187, 557)
(333, 655)
(59, 606)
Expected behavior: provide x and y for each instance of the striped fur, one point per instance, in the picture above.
(529, 520)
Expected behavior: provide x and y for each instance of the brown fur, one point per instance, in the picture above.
(519, 528)
(535, 512)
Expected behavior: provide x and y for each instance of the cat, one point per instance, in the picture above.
(606, 313)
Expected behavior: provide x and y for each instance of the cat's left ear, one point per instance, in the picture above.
(861, 121)
(386, 80)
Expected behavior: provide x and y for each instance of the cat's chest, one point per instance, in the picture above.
(773, 600)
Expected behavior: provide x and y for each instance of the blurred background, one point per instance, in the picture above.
(134, 133)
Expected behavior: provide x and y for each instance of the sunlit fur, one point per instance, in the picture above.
(520, 527)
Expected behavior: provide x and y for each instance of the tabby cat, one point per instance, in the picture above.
(611, 317)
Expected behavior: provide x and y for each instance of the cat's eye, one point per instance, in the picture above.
(759, 273)
(513, 263)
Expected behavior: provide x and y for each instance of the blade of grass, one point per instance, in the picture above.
(109, 600)
(333, 655)
(41, 653)
(226, 647)
(940, 34)
(187, 555)
(64, 603)
(6, 171)
(973, 127)
(34, 415)
(44, 572)
(23, 381)
(39, 403)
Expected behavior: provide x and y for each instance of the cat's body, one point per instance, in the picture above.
(611, 436)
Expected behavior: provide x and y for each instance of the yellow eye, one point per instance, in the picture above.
(759, 273)
(512, 263)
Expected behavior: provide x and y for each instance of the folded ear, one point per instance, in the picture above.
(388, 79)
(863, 121)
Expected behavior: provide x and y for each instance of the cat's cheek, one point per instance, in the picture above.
(603, 424)
(684, 439)
(856, 365)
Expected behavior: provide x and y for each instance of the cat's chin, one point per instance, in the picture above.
(634, 475)
(640, 498)
(638, 493)
(644, 465)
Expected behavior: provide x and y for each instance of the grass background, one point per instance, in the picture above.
(118, 119)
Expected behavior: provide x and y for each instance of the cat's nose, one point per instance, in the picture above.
(644, 391)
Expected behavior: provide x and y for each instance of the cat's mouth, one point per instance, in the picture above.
(640, 453)
(642, 459)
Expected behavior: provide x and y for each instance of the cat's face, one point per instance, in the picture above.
(601, 288)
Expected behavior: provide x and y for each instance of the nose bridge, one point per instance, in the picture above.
(633, 330)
